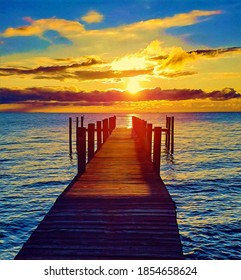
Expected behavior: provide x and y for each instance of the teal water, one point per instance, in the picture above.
(203, 177)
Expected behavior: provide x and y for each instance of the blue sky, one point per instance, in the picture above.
(123, 45)
(223, 30)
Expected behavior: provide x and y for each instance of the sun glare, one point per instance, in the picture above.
(133, 86)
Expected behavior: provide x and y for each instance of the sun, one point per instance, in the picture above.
(133, 86)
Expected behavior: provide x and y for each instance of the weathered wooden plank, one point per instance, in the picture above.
(117, 209)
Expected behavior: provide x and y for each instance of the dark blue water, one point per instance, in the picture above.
(203, 177)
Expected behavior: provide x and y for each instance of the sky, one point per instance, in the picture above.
(120, 56)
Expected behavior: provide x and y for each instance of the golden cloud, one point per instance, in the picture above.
(70, 29)
(92, 17)
(66, 28)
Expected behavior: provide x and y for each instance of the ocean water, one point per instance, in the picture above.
(203, 177)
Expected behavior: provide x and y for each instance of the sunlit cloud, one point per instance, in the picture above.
(153, 61)
(71, 28)
(66, 28)
(92, 17)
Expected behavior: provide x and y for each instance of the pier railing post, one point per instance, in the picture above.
(168, 134)
(149, 139)
(157, 149)
(76, 134)
(112, 124)
(70, 135)
(143, 131)
(81, 150)
(172, 135)
(105, 129)
(91, 141)
(82, 121)
(114, 121)
(99, 135)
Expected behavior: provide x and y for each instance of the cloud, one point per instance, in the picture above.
(176, 74)
(153, 61)
(183, 19)
(71, 29)
(28, 19)
(92, 17)
(66, 28)
(8, 96)
(176, 58)
(112, 41)
(54, 69)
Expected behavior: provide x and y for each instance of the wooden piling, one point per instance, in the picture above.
(157, 149)
(149, 139)
(168, 134)
(112, 124)
(70, 135)
(91, 141)
(82, 121)
(99, 134)
(172, 135)
(76, 130)
(105, 129)
(81, 150)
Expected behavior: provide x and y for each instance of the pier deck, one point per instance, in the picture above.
(118, 209)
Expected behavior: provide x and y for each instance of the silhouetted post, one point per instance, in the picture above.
(82, 121)
(99, 138)
(149, 138)
(76, 135)
(172, 135)
(157, 149)
(168, 133)
(81, 150)
(105, 129)
(91, 141)
(143, 127)
(112, 123)
(70, 135)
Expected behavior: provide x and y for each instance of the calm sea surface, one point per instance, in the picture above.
(203, 177)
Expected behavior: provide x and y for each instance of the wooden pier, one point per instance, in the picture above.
(117, 207)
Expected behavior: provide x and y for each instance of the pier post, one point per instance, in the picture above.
(149, 139)
(168, 134)
(99, 134)
(82, 121)
(157, 149)
(81, 150)
(105, 129)
(76, 134)
(112, 124)
(70, 136)
(143, 127)
(91, 141)
(172, 135)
